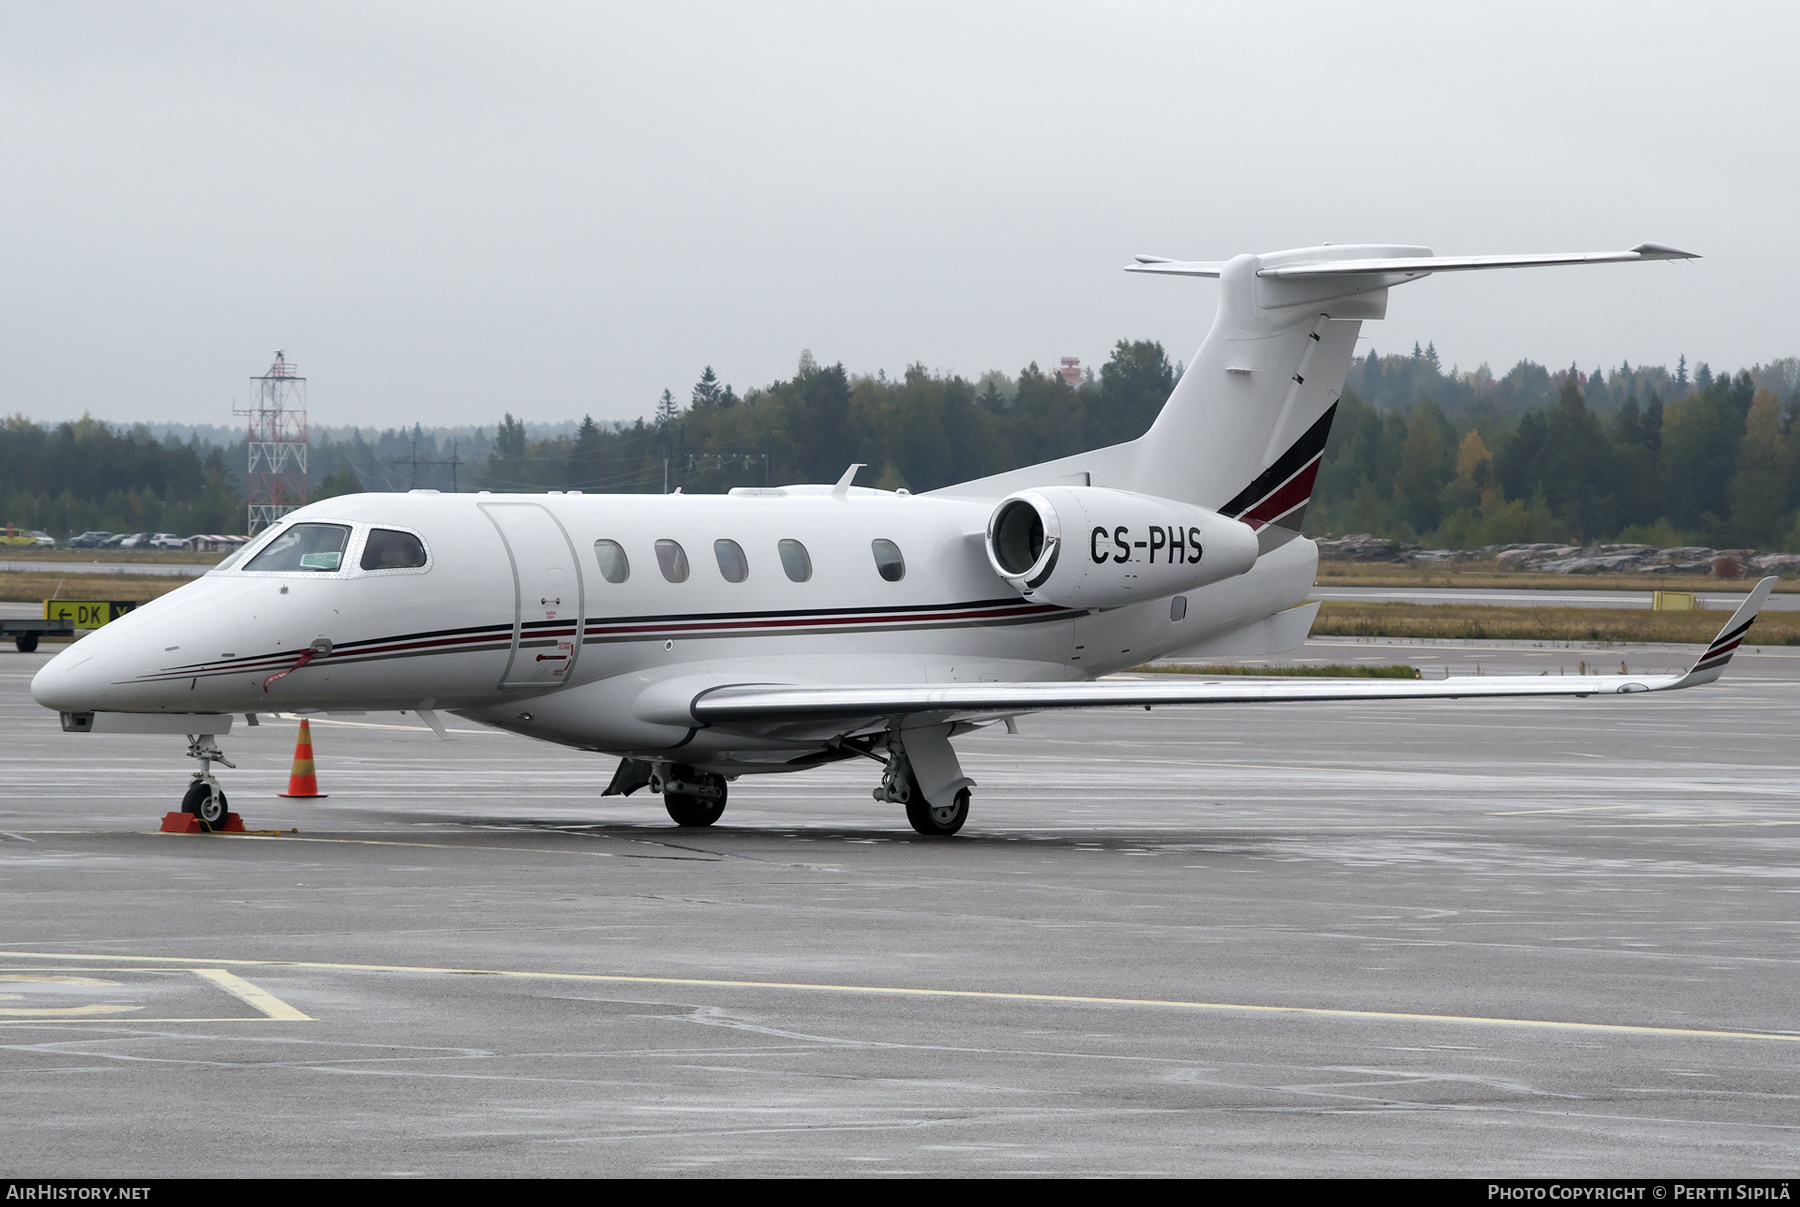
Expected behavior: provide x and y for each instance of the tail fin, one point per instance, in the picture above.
(1245, 428)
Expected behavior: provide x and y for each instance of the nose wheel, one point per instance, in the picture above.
(204, 798)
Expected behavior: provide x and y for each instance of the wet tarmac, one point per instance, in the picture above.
(1534, 939)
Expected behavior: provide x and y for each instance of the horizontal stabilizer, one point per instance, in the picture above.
(1407, 267)
(1420, 265)
(1177, 268)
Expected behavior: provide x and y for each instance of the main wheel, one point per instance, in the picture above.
(206, 804)
(937, 820)
(694, 810)
(27, 642)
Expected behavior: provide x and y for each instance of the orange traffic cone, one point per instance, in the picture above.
(303, 784)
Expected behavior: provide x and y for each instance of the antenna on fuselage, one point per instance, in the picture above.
(842, 489)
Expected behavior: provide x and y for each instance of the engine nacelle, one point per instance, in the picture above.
(1095, 547)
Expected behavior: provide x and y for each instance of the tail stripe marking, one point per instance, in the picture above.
(1288, 482)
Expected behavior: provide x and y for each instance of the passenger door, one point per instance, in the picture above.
(547, 595)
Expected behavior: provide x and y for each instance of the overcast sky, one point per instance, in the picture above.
(443, 212)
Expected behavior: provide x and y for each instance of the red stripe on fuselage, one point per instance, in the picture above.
(547, 631)
(789, 622)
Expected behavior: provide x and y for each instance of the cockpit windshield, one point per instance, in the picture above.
(236, 556)
(318, 548)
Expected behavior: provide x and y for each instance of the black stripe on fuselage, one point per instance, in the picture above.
(539, 633)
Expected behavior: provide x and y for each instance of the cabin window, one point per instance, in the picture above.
(387, 549)
(615, 567)
(673, 560)
(888, 561)
(1178, 609)
(795, 561)
(318, 548)
(731, 561)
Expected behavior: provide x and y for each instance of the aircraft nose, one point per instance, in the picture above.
(73, 681)
(125, 664)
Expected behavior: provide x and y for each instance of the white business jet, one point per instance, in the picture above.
(705, 637)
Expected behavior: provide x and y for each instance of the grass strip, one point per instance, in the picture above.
(1480, 622)
(1495, 575)
(35, 586)
(1333, 671)
(151, 557)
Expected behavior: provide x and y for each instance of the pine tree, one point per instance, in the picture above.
(584, 459)
(666, 410)
(509, 439)
(1628, 427)
(707, 391)
(1759, 488)
(1653, 424)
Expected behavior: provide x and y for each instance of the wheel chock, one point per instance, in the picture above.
(187, 823)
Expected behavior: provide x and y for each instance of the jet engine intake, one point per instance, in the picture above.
(1095, 547)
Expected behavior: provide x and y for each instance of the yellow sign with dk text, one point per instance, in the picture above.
(87, 613)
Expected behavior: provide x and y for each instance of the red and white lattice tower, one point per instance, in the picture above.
(277, 471)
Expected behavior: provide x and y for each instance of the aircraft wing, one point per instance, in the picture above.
(796, 707)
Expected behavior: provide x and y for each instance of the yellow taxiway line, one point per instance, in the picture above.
(962, 994)
(261, 999)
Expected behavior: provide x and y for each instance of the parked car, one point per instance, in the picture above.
(168, 540)
(89, 540)
(134, 540)
(212, 542)
(23, 538)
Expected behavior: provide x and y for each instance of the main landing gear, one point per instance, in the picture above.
(693, 798)
(901, 787)
(204, 798)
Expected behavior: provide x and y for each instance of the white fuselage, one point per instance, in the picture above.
(512, 623)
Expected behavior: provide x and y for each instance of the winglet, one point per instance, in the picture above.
(1662, 251)
(1712, 663)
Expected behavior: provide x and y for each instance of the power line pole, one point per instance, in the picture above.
(276, 474)
(414, 460)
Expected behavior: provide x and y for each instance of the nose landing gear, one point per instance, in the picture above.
(204, 798)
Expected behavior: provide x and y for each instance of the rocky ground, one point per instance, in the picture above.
(1567, 559)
